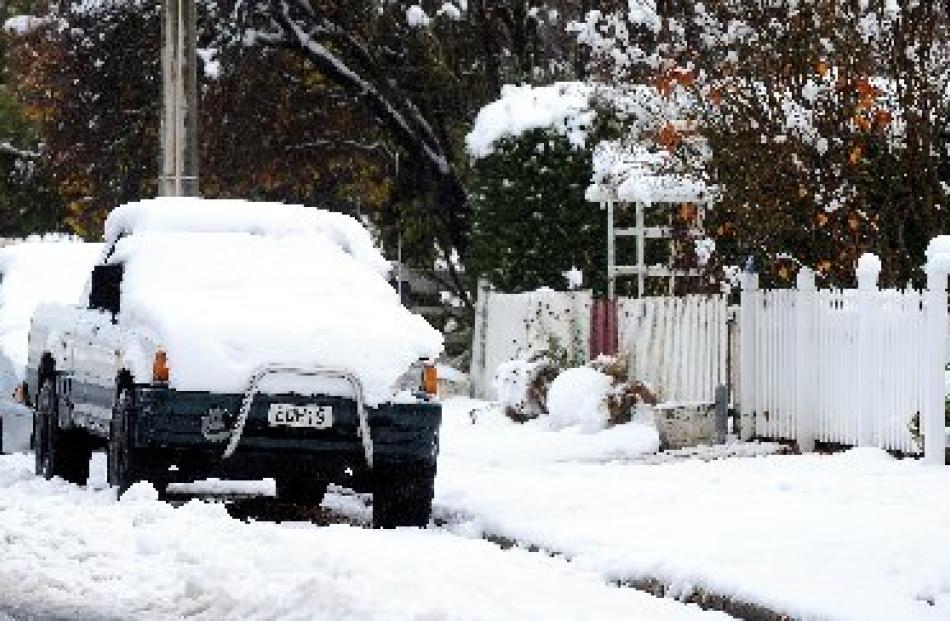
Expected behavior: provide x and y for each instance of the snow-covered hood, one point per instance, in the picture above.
(222, 304)
(218, 349)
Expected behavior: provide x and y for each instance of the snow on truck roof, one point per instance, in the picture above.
(226, 287)
(275, 220)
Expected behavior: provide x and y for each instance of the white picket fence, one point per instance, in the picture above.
(678, 345)
(859, 367)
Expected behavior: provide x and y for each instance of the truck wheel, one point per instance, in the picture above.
(122, 459)
(301, 490)
(59, 453)
(402, 496)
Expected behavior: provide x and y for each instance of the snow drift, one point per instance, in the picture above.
(50, 269)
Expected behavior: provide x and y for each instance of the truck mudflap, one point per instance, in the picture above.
(253, 387)
(406, 432)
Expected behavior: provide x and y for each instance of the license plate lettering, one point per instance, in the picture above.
(306, 416)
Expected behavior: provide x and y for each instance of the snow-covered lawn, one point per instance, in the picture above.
(857, 535)
(69, 552)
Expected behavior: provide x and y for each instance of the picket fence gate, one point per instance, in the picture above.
(677, 345)
(861, 367)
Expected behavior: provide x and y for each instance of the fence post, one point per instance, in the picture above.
(934, 358)
(867, 272)
(721, 414)
(747, 362)
(806, 367)
(477, 370)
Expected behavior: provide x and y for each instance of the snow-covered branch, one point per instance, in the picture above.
(375, 147)
(401, 124)
(25, 154)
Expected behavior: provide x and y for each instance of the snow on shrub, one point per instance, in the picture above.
(521, 387)
(416, 17)
(564, 106)
(596, 396)
(593, 397)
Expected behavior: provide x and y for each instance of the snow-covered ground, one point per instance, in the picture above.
(856, 536)
(851, 536)
(70, 552)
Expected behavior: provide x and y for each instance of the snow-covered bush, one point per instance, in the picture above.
(626, 393)
(522, 387)
(531, 222)
(596, 396)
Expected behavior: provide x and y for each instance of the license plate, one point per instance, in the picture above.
(308, 416)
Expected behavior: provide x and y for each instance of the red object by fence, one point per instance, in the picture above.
(603, 328)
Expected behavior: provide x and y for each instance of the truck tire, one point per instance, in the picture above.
(402, 495)
(123, 461)
(59, 452)
(301, 490)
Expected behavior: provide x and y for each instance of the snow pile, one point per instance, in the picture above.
(578, 397)
(564, 107)
(705, 248)
(574, 278)
(210, 65)
(77, 553)
(226, 287)
(476, 435)
(38, 270)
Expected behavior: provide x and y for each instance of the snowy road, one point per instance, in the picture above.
(70, 551)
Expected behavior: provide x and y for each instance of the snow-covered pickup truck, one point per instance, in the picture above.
(36, 270)
(240, 340)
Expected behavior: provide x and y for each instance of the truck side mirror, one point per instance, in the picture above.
(105, 291)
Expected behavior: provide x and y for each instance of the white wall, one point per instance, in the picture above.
(519, 325)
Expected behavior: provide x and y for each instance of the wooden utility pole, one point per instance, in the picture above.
(179, 127)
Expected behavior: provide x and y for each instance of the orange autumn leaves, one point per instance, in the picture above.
(870, 114)
(670, 136)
